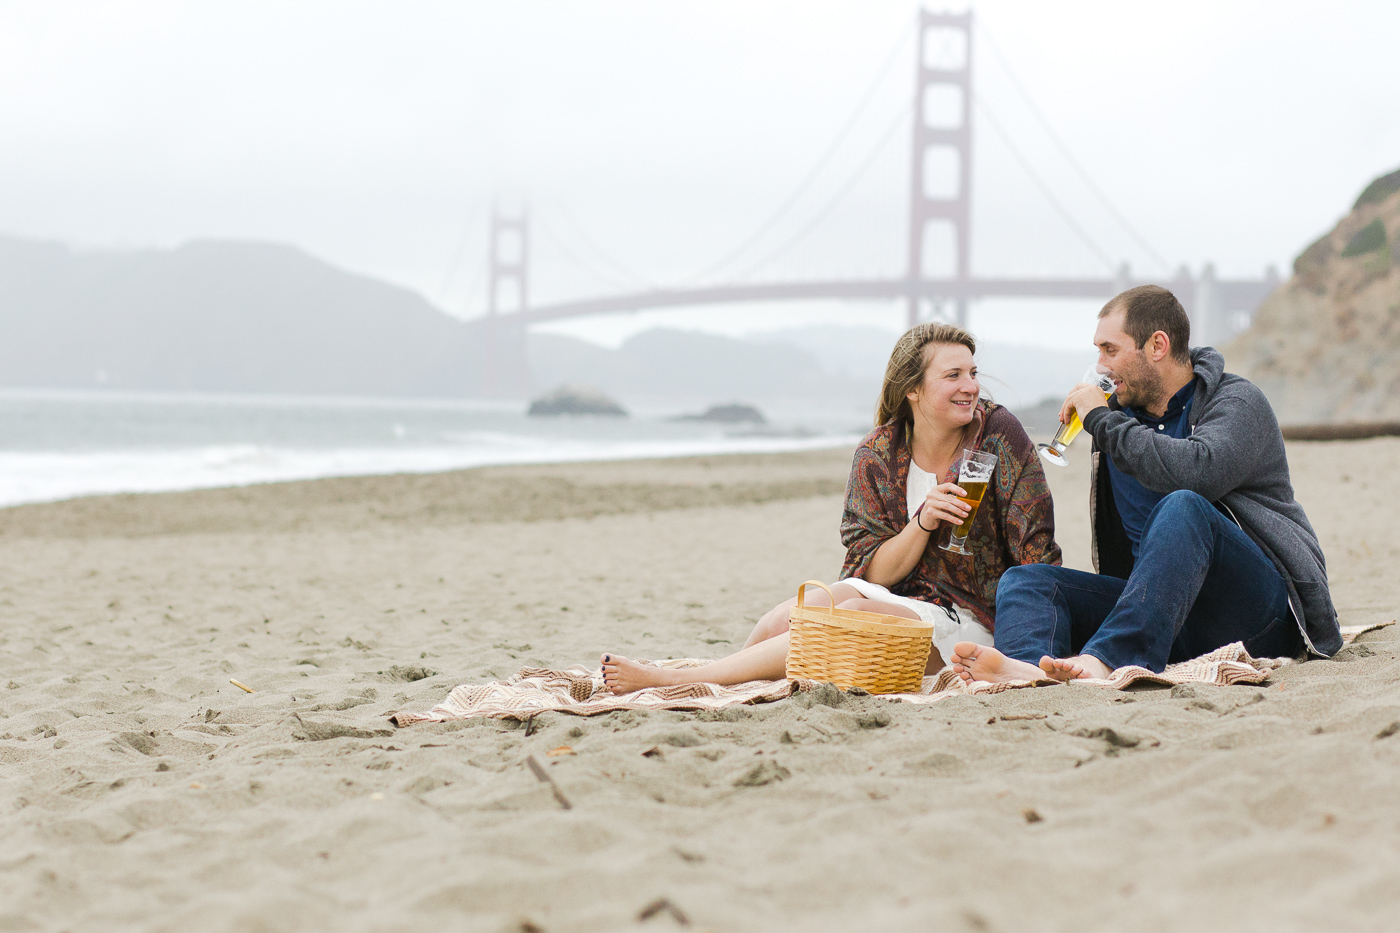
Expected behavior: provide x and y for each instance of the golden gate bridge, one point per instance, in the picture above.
(943, 67)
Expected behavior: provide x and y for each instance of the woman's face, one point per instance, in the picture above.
(948, 395)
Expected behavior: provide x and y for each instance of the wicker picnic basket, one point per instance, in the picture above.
(849, 648)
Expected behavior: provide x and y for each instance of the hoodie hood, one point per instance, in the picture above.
(1209, 365)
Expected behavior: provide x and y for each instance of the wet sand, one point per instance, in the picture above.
(141, 790)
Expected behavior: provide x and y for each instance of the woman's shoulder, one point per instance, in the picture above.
(878, 454)
(882, 442)
(1005, 426)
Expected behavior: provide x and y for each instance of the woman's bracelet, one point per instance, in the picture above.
(918, 520)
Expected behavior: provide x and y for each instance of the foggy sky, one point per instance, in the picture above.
(650, 138)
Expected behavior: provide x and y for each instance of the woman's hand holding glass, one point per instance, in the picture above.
(943, 505)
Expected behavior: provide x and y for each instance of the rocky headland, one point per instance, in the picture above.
(1325, 347)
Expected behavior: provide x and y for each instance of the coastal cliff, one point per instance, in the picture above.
(1325, 346)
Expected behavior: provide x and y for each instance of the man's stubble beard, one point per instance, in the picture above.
(1144, 384)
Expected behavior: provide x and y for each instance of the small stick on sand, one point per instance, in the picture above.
(544, 776)
(244, 687)
(660, 904)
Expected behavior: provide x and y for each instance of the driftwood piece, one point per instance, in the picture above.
(664, 905)
(1344, 431)
(545, 777)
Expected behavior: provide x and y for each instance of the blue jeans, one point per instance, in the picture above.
(1199, 583)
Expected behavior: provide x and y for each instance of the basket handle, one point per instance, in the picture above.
(830, 595)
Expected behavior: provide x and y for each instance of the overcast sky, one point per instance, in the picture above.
(651, 139)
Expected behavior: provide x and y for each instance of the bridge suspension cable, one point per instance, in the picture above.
(821, 215)
(1074, 163)
(791, 201)
(559, 243)
(454, 263)
(604, 258)
(1044, 188)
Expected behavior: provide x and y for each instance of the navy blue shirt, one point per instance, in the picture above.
(1134, 500)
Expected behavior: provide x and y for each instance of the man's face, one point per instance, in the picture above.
(1136, 376)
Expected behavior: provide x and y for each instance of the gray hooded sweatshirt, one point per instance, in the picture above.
(1234, 457)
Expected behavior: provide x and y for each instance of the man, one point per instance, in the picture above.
(1197, 538)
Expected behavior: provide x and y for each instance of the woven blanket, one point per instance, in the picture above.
(580, 691)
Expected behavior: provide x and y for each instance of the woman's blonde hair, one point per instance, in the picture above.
(905, 371)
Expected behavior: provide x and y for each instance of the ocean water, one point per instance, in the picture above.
(61, 444)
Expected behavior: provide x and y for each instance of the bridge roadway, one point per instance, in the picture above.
(1225, 294)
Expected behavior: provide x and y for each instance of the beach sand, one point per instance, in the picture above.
(141, 790)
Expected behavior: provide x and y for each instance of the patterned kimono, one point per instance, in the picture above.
(1014, 525)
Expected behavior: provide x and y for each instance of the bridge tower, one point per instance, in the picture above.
(942, 129)
(506, 366)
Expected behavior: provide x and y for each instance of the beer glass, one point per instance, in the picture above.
(974, 473)
(1054, 452)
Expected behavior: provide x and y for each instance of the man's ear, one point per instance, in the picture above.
(1160, 346)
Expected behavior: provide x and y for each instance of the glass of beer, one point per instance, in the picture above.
(974, 473)
(1054, 452)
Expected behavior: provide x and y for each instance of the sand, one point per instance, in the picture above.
(140, 790)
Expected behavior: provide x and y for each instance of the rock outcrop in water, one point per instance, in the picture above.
(1326, 346)
(727, 414)
(576, 400)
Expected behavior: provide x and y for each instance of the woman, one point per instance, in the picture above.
(901, 494)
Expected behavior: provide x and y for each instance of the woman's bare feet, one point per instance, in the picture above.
(623, 676)
(972, 661)
(1075, 668)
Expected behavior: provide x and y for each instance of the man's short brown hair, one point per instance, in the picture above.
(1148, 309)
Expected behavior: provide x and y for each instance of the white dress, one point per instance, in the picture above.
(949, 627)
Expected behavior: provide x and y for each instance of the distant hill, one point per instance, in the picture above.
(1326, 345)
(219, 317)
(695, 370)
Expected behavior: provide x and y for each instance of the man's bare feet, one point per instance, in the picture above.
(623, 676)
(972, 661)
(1075, 668)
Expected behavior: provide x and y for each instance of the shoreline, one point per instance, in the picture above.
(63, 446)
(497, 492)
(69, 475)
